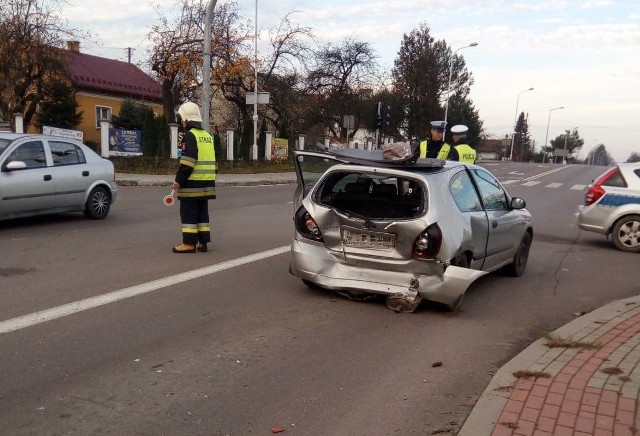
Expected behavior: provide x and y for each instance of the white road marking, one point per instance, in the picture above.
(143, 288)
(509, 182)
(554, 185)
(578, 187)
(531, 183)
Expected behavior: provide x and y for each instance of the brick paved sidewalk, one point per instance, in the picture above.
(589, 386)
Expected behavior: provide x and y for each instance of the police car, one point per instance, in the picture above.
(612, 206)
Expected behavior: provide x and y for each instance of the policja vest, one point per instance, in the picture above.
(201, 183)
(466, 154)
(442, 154)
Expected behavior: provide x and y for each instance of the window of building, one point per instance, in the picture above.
(102, 112)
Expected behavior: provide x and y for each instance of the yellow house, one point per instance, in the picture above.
(102, 85)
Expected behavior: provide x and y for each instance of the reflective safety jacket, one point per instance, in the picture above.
(443, 153)
(197, 172)
(465, 153)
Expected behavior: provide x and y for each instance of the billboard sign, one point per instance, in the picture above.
(123, 142)
(279, 149)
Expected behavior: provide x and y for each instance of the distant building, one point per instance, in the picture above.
(102, 85)
(492, 149)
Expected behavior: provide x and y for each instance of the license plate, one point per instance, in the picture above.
(359, 239)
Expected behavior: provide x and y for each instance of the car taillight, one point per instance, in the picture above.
(306, 225)
(428, 243)
(595, 191)
(594, 194)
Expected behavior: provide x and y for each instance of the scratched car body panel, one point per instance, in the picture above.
(408, 230)
(612, 206)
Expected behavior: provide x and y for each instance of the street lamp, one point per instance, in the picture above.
(544, 150)
(206, 67)
(446, 105)
(255, 88)
(515, 121)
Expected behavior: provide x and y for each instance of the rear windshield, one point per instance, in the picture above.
(612, 178)
(375, 196)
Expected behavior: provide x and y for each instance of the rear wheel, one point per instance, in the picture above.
(98, 204)
(626, 234)
(519, 264)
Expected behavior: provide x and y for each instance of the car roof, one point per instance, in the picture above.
(375, 158)
(13, 136)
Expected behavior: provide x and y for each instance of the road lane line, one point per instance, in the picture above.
(143, 288)
(531, 183)
(553, 185)
(578, 187)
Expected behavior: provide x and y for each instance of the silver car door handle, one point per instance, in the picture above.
(85, 173)
(47, 177)
(494, 224)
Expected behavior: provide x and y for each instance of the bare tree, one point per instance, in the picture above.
(31, 35)
(337, 80)
(176, 52)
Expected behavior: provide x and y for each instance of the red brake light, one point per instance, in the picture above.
(595, 191)
(306, 225)
(593, 194)
(428, 243)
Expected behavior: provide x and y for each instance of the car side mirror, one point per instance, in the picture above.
(14, 165)
(518, 203)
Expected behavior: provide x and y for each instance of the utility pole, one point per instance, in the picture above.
(129, 52)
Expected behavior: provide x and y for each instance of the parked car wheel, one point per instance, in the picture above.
(626, 234)
(519, 264)
(98, 204)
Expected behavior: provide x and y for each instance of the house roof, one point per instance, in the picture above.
(110, 76)
(490, 146)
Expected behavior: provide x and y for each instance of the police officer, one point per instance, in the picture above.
(195, 181)
(435, 147)
(464, 152)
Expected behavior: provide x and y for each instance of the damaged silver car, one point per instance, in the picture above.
(410, 229)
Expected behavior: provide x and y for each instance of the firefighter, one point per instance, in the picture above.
(195, 181)
(463, 151)
(435, 147)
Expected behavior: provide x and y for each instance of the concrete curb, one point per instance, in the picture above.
(487, 411)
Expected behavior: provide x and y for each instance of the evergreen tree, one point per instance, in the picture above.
(131, 116)
(522, 146)
(462, 111)
(149, 135)
(59, 107)
(421, 78)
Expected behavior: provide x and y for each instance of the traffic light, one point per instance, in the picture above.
(377, 120)
(386, 122)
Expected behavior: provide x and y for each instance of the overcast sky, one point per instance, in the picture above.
(583, 55)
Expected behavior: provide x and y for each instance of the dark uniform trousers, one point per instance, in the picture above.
(194, 215)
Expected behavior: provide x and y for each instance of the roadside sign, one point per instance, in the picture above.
(63, 133)
(263, 98)
(348, 121)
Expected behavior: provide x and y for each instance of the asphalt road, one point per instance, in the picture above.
(240, 346)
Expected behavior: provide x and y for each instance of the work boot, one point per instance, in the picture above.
(202, 246)
(184, 248)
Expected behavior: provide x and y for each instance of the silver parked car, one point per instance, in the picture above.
(42, 174)
(612, 206)
(405, 229)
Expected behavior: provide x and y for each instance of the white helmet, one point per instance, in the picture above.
(190, 112)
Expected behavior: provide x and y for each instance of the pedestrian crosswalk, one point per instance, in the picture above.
(554, 185)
